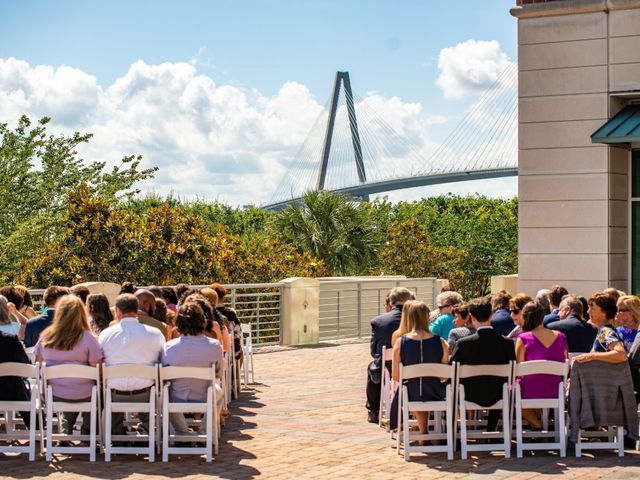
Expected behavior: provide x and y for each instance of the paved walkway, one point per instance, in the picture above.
(306, 419)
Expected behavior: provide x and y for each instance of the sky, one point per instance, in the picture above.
(220, 95)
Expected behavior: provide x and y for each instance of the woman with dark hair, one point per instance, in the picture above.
(608, 346)
(230, 314)
(220, 326)
(127, 287)
(98, 312)
(27, 302)
(170, 298)
(538, 343)
(180, 289)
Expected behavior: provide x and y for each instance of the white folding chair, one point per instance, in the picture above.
(405, 436)
(91, 408)
(235, 371)
(137, 371)
(468, 371)
(209, 408)
(247, 349)
(387, 389)
(559, 434)
(10, 408)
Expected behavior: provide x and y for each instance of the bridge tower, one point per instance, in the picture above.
(342, 78)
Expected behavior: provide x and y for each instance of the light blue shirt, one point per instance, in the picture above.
(442, 325)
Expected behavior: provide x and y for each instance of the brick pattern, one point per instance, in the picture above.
(306, 419)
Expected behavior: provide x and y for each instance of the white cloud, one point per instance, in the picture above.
(469, 67)
(217, 142)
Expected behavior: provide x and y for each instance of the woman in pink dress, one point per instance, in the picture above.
(538, 343)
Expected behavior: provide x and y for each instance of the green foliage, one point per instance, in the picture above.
(37, 172)
(333, 228)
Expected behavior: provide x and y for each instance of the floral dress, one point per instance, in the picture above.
(605, 337)
(628, 335)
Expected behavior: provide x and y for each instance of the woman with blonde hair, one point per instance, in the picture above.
(418, 346)
(68, 340)
(403, 328)
(627, 319)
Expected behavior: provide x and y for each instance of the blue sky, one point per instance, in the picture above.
(391, 48)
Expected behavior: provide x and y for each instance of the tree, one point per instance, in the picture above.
(38, 171)
(333, 228)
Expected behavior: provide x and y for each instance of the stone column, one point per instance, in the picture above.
(300, 311)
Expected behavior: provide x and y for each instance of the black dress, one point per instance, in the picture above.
(423, 389)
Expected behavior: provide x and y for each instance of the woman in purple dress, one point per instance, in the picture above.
(538, 343)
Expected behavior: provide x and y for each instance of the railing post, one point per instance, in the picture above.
(280, 314)
(258, 315)
(338, 313)
(359, 303)
(379, 301)
(233, 298)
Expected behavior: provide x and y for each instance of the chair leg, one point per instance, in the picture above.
(562, 432)
(253, 378)
(107, 428)
(405, 429)
(450, 425)
(620, 440)
(519, 437)
(463, 425)
(152, 426)
(32, 431)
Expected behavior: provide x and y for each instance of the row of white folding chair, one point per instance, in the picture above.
(247, 350)
(509, 371)
(92, 408)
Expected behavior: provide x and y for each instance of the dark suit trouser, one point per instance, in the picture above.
(373, 394)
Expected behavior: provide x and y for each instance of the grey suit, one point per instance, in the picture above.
(456, 334)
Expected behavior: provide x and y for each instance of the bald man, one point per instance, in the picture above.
(146, 309)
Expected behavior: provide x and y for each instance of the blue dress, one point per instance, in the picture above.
(424, 389)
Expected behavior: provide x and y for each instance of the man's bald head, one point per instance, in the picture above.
(146, 301)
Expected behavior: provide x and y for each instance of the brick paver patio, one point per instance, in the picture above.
(306, 419)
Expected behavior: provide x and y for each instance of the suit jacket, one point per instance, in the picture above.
(485, 347)
(580, 334)
(456, 334)
(501, 321)
(382, 328)
(552, 317)
(11, 350)
(36, 326)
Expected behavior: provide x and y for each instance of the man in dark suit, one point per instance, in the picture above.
(485, 347)
(555, 297)
(382, 328)
(36, 325)
(501, 320)
(580, 334)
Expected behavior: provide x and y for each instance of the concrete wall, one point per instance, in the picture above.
(573, 194)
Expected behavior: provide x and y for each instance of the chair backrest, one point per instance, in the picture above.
(547, 367)
(573, 355)
(14, 369)
(502, 370)
(197, 373)
(70, 371)
(246, 328)
(387, 354)
(149, 372)
(437, 370)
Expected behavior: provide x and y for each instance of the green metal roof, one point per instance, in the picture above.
(623, 128)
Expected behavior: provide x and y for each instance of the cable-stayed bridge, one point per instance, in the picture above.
(361, 146)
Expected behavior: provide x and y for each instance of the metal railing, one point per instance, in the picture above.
(346, 312)
(255, 303)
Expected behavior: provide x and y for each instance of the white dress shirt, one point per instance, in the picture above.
(131, 342)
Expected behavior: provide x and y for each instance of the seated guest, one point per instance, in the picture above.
(501, 320)
(442, 325)
(130, 341)
(170, 298)
(542, 297)
(27, 302)
(99, 312)
(463, 325)
(555, 297)
(180, 289)
(8, 309)
(15, 301)
(146, 310)
(608, 346)
(68, 340)
(417, 346)
(192, 349)
(538, 343)
(219, 326)
(80, 291)
(614, 293)
(580, 334)
(14, 388)
(37, 324)
(127, 287)
(585, 308)
(516, 304)
(485, 347)
(627, 319)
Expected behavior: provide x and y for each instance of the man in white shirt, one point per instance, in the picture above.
(129, 341)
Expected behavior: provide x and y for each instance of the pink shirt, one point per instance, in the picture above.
(86, 350)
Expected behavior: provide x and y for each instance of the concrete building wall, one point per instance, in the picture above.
(573, 194)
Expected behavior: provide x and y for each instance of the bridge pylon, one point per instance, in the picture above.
(342, 78)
